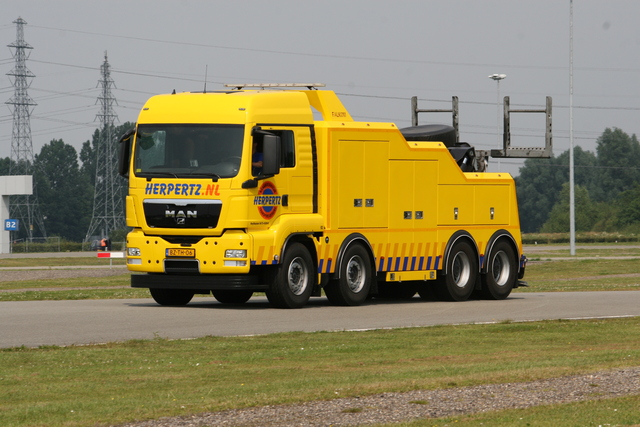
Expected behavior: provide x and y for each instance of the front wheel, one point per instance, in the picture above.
(352, 286)
(174, 297)
(501, 274)
(462, 268)
(293, 281)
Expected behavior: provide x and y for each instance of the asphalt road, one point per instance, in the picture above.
(36, 323)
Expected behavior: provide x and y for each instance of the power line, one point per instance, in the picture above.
(133, 73)
(199, 80)
(334, 56)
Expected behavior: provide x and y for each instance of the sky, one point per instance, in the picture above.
(375, 54)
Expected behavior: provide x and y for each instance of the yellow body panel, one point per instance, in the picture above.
(404, 199)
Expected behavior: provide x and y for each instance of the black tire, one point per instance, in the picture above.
(175, 297)
(462, 271)
(502, 272)
(355, 276)
(293, 281)
(232, 296)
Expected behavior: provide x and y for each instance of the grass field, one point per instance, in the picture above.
(88, 385)
(84, 385)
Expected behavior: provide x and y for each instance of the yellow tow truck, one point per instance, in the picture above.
(276, 189)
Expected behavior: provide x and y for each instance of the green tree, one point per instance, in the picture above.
(586, 212)
(64, 193)
(5, 166)
(628, 205)
(607, 214)
(540, 183)
(618, 164)
(88, 157)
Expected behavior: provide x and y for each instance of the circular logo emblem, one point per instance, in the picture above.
(267, 200)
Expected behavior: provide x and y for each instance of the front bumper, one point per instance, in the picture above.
(150, 254)
(206, 282)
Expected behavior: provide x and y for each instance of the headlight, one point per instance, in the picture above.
(133, 251)
(235, 253)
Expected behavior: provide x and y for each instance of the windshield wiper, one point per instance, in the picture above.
(163, 174)
(214, 176)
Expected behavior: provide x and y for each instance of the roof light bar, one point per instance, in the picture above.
(270, 85)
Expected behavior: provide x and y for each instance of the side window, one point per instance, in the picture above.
(287, 154)
(288, 149)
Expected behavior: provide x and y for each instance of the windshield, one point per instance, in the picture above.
(188, 150)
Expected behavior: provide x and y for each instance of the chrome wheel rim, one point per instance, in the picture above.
(355, 273)
(461, 269)
(500, 268)
(297, 276)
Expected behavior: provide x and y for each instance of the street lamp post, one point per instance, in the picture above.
(497, 78)
(572, 195)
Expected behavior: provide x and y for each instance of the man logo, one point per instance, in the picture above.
(180, 216)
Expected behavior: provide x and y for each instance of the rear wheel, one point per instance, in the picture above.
(352, 286)
(232, 296)
(293, 279)
(502, 272)
(462, 268)
(174, 297)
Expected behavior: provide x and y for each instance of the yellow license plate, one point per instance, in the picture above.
(180, 252)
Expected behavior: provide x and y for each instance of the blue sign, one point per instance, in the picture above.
(11, 224)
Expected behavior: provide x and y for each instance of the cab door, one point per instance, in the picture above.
(295, 183)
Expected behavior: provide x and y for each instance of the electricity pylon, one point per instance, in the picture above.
(108, 210)
(23, 207)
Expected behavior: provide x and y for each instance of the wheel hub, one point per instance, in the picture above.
(461, 269)
(355, 274)
(297, 277)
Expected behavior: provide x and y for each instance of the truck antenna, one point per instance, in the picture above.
(206, 68)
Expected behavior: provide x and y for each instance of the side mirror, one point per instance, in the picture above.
(124, 154)
(271, 154)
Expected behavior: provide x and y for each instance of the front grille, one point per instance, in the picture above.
(178, 213)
